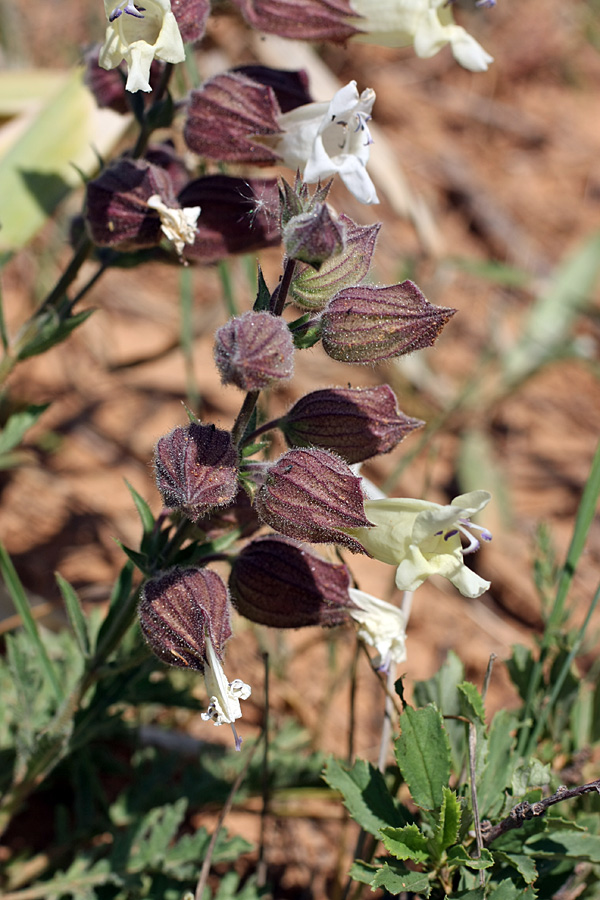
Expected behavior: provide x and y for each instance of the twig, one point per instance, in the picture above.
(523, 811)
(224, 812)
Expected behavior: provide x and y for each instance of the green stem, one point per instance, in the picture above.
(268, 426)
(243, 417)
(281, 291)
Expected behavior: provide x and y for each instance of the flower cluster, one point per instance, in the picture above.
(220, 489)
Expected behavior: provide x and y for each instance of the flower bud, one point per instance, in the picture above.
(357, 423)
(296, 199)
(311, 20)
(196, 469)
(311, 495)
(179, 610)
(226, 114)
(254, 351)
(313, 290)
(191, 17)
(313, 237)
(279, 583)
(368, 324)
(239, 215)
(117, 211)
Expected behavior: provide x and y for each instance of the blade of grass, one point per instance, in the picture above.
(530, 748)
(226, 283)
(19, 598)
(585, 515)
(75, 613)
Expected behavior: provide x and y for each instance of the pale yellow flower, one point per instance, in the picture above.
(423, 539)
(178, 225)
(224, 696)
(139, 35)
(381, 626)
(426, 24)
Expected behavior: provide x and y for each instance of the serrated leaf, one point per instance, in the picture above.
(423, 755)
(477, 894)
(471, 703)
(446, 831)
(19, 423)
(366, 796)
(508, 890)
(143, 510)
(152, 836)
(406, 843)
(458, 856)
(441, 689)
(398, 880)
(75, 613)
(522, 863)
(560, 843)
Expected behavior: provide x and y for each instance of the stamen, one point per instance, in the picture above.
(126, 6)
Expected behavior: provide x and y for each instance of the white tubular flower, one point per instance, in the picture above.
(382, 626)
(325, 139)
(138, 35)
(224, 696)
(427, 24)
(178, 225)
(424, 539)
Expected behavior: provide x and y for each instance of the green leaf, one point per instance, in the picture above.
(140, 560)
(520, 668)
(496, 776)
(121, 613)
(471, 703)
(552, 316)
(399, 880)
(508, 890)
(39, 168)
(406, 843)
(152, 836)
(52, 330)
(560, 843)
(477, 894)
(75, 613)
(308, 335)
(446, 831)
(19, 598)
(362, 871)
(143, 510)
(442, 690)
(263, 294)
(423, 755)
(365, 794)
(522, 863)
(458, 856)
(19, 423)
(529, 775)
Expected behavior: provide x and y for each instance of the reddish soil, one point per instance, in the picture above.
(508, 163)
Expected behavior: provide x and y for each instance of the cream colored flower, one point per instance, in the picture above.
(325, 139)
(427, 24)
(138, 35)
(178, 225)
(382, 626)
(224, 696)
(424, 539)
